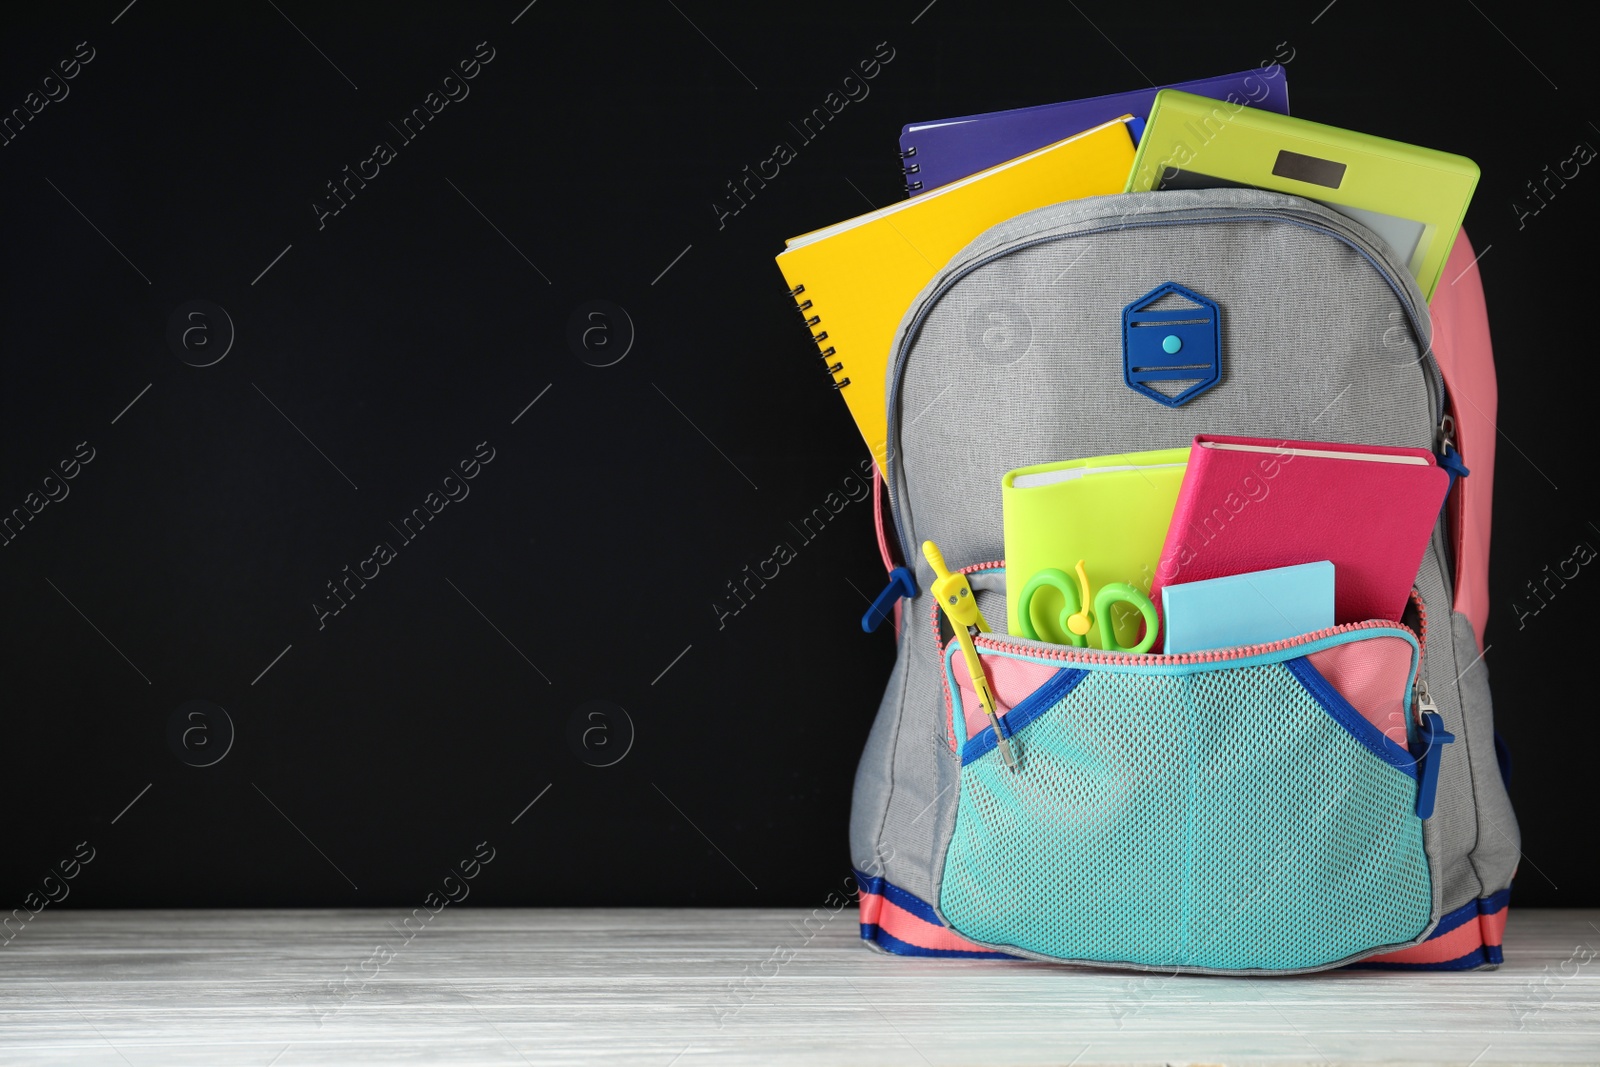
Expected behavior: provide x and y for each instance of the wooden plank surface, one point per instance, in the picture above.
(775, 987)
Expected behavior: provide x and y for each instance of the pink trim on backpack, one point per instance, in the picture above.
(1483, 933)
(1494, 927)
(1462, 347)
(1451, 946)
(901, 924)
(883, 537)
(877, 518)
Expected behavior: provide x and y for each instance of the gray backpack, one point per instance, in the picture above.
(1204, 813)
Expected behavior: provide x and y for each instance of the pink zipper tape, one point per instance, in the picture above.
(1162, 659)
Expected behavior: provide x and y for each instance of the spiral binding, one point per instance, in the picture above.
(811, 321)
(908, 171)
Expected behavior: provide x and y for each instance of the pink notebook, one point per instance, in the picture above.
(1249, 503)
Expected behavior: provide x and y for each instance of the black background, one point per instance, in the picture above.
(425, 716)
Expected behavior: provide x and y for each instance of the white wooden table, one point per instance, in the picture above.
(660, 987)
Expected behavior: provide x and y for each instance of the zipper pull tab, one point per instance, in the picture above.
(1444, 450)
(901, 584)
(1428, 749)
(1447, 434)
(1424, 701)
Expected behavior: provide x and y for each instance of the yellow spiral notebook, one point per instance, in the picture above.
(853, 281)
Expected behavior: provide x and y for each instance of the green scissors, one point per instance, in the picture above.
(1076, 618)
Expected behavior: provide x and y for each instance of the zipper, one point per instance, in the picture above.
(1422, 627)
(1421, 702)
(1430, 725)
(1449, 458)
(1023, 646)
(1428, 748)
(1433, 377)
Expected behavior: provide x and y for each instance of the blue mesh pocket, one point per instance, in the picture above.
(1233, 818)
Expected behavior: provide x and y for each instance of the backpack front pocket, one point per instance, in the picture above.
(1253, 809)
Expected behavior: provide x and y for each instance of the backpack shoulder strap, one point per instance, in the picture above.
(1466, 358)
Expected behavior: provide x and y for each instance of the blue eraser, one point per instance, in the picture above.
(1247, 609)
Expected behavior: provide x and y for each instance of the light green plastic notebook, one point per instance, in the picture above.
(1112, 512)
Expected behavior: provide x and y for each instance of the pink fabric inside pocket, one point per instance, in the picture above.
(1011, 680)
(1371, 675)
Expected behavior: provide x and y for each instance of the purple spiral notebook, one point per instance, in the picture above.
(935, 153)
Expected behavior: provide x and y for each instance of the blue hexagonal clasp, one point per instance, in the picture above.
(1171, 353)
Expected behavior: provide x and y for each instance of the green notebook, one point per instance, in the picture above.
(1112, 512)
